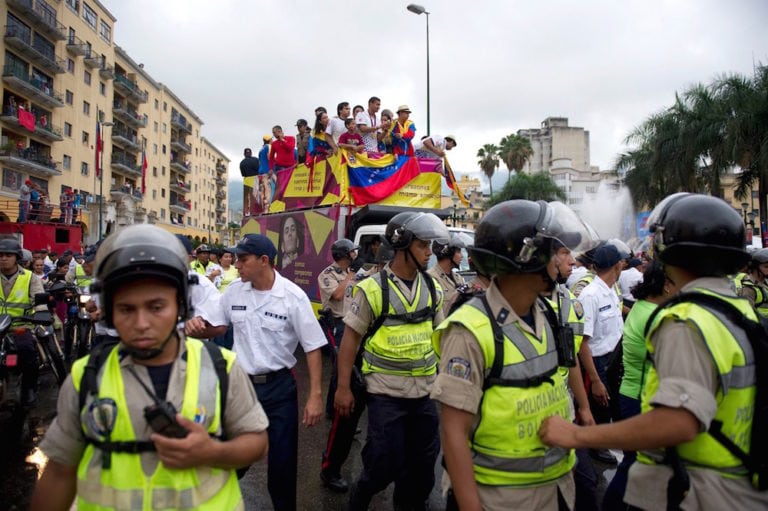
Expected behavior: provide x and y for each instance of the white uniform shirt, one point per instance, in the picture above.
(628, 279)
(576, 274)
(268, 325)
(204, 300)
(602, 317)
(369, 139)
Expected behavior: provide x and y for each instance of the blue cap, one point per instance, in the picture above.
(256, 244)
(606, 256)
(185, 242)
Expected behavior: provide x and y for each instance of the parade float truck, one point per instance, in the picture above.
(305, 209)
(43, 231)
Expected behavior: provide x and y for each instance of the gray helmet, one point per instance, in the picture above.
(446, 250)
(11, 246)
(384, 253)
(26, 257)
(408, 226)
(760, 256)
(202, 249)
(141, 250)
(342, 248)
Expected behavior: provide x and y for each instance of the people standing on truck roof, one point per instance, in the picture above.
(351, 140)
(271, 316)
(393, 314)
(321, 145)
(264, 154)
(249, 165)
(368, 125)
(434, 146)
(336, 283)
(281, 150)
(337, 125)
(290, 240)
(403, 132)
(302, 141)
(384, 135)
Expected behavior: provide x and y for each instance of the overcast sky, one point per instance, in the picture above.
(496, 66)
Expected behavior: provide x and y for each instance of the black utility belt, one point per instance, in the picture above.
(260, 379)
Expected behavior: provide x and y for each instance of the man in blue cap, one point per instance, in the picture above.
(270, 316)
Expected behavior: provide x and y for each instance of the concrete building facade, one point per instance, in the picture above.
(66, 85)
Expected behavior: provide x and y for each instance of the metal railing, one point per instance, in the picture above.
(22, 74)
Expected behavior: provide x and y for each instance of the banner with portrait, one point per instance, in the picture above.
(303, 240)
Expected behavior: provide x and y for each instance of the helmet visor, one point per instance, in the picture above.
(562, 224)
(428, 227)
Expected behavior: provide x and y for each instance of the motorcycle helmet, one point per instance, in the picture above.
(408, 226)
(342, 248)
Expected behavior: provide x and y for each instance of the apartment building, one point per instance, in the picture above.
(556, 140)
(66, 87)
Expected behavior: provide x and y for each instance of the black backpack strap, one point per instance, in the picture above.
(89, 383)
(498, 347)
(432, 291)
(220, 365)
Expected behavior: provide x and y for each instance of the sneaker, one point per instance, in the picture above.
(334, 482)
(603, 456)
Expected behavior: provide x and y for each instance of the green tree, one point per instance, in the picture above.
(488, 162)
(539, 186)
(515, 151)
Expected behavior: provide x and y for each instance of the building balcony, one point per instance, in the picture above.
(178, 121)
(92, 60)
(126, 140)
(127, 191)
(106, 72)
(221, 181)
(221, 222)
(181, 146)
(76, 47)
(19, 38)
(181, 206)
(180, 187)
(125, 166)
(128, 115)
(40, 18)
(43, 128)
(221, 194)
(30, 162)
(220, 167)
(220, 208)
(131, 89)
(36, 90)
(180, 166)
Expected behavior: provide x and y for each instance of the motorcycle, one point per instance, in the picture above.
(77, 328)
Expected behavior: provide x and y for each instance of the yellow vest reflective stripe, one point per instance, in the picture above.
(81, 279)
(734, 360)
(17, 302)
(400, 346)
(124, 485)
(505, 445)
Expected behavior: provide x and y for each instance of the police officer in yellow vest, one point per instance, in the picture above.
(701, 375)
(752, 285)
(157, 421)
(82, 275)
(448, 259)
(19, 287)
(500, 374)
(203, 259)
(399, 365)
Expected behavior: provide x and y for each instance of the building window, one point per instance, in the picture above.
(67, 129)
(154, 171)
(89, 15)
(157, 105)
(105, 31)
(154, 193)
(154, 150)
(86, 138)
(103, 88)
(11, 180)
(69, 97)
(165, 108)
(162, 213)
(67, 162)
(87, 77)
(163, 148)
(86, 108)
(164, 128)
(84, 168)
(74, 6)
(71, 66)
(156, 126)
(163, 171)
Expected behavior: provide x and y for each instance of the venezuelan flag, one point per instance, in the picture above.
(373, 179)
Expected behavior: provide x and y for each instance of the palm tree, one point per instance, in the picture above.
(539, 186)
(488, 162)
(515, 151)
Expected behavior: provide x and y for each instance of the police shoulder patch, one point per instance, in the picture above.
(578, 308)
(458, 367)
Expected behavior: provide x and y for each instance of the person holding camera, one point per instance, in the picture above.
(157, 421)
(507, 347)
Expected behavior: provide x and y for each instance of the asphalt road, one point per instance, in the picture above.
(18, 469)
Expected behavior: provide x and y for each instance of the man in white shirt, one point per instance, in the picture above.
(603, 327)
(434, 146)
(368, 124)
(629, 278)
(336, 126)
(270, 316)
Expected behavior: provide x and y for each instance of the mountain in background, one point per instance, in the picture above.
(235, 194)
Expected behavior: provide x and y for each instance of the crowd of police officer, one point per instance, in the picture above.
(504, 366)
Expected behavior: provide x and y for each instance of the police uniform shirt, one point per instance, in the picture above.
(64, 443)
(689, 379)
(268, 325)
(360, 316)
(459, 385)
(602, 317)
(578, 273)
(449, 283)
(328, 280)
(204, 301)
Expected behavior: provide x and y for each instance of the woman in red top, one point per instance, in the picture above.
(403, 132)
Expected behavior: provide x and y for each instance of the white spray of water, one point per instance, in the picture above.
(610, 212)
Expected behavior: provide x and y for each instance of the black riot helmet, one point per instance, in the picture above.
(759, 256)
(404, 228)
(342, 248)
(518, 236)
(11, 246)
(700, 233)
(384, 253)
(138, 251)
(447, 250)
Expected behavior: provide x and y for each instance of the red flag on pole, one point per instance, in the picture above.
(99, 149)
(143, 170)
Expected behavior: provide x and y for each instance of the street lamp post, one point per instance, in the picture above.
(418, 9)
(749, 220)
(458, 213)
(104, 124)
